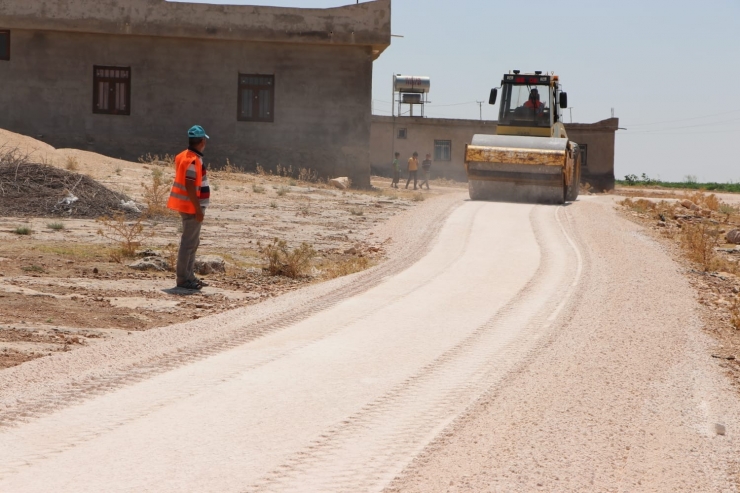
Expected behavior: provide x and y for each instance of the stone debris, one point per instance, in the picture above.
(151, 263)
(733, 236)
(340, 183)
(209, 264)
(720, 429)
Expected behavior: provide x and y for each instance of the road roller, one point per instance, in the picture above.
(530, 159)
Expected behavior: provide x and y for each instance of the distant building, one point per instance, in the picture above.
(129, 77)
(445, 140)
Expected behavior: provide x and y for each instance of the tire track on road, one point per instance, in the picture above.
(397, 426)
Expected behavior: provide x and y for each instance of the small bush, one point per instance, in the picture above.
(118, 170)
(356, 211)
(282, 191)
(156, 194)
(418, 197)
(735, 313)
(72, 163)
(699, 241)
(292, 183)
(273, 204)
(258, 188)
(23, 230)
(170, 255)
(282, 261)
(55, 226)
(33, 268)
(127, 235)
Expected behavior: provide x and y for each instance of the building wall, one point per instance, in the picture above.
(420, 136)
(322, 98)
(422, 132)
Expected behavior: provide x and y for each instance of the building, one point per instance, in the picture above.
(445, 140)
(129, 77)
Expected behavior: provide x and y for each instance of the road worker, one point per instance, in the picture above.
(190, 196)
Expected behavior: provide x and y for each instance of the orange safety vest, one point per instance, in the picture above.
(179, 199)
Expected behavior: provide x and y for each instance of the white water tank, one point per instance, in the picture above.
(412, 83)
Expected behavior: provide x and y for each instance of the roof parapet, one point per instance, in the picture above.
(363, 24)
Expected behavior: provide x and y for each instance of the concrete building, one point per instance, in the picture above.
(445, 140)
(129, 77)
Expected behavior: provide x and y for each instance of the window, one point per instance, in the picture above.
(525, 105)
(112, 90)
(402, 133)
(256, 98)
(584, 155)
(5, 45)
(443, 150)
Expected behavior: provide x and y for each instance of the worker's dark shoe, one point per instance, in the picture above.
(201, 283)
(191, 285)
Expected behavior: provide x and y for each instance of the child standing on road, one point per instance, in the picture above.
(396, 171)
(413, 169)
(426, 165)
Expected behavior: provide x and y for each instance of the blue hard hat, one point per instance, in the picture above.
(197, 132)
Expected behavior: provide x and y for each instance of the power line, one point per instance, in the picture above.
(684, 119)
(686, 126)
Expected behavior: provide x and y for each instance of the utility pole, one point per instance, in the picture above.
(480, 104)
(571, 113)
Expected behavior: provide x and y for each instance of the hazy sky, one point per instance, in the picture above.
(670, 69)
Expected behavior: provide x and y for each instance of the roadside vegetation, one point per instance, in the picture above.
(707, 232)
(690, 183)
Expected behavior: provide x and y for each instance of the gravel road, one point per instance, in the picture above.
(504, 347)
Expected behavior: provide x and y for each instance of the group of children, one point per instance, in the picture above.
(413, 169)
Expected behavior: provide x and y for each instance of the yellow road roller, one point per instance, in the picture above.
(530, 159)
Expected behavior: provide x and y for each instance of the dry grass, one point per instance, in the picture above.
(165, 161)
(282, 261)
(23, 230)
(418, 197)
(258, 188)
(283, 191)
(55, 226)
(170, 255)
(72, 164)
(356, 211)
(346, 267)
(127, 236)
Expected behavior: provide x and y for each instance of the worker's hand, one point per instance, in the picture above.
(199, 216)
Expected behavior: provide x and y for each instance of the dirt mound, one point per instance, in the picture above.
(32, 189)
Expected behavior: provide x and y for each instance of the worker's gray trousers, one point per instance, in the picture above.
(188, 246)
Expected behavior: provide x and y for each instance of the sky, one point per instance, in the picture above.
(670, 70)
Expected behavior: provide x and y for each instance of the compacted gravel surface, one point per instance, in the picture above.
(503, 347)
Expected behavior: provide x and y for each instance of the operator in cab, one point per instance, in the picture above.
(534, 102)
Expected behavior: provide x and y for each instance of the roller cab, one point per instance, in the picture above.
(530, 159)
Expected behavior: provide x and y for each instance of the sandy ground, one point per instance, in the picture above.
(577, 364)
(64, 289)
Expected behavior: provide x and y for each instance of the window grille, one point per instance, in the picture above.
(443, 150)
(256, 98)
(402, 133)
(4, 45)
(112, 90)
